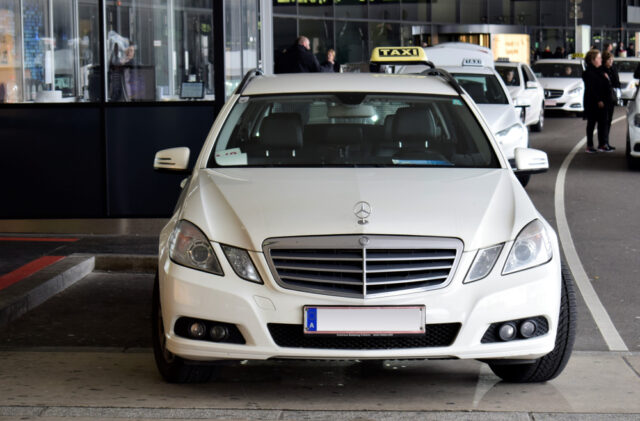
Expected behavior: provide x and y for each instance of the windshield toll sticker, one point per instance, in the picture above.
(421, 162)
(472, 62)
(456, 102)
(243, 99)
(231, 157)
(311, 320)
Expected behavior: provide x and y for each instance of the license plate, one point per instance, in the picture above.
(550, 103)
(364, 321)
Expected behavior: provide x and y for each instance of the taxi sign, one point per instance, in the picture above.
(472, 62)
(391, 55)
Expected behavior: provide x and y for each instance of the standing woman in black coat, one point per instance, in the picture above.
(596, 95)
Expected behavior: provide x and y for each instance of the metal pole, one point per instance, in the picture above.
(266, 36)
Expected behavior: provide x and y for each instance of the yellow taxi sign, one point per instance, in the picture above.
(390, 55)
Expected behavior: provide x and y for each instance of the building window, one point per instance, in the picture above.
(241, 41)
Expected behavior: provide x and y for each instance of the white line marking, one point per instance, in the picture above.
(599, 313)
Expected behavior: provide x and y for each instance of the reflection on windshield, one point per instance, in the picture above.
(352, 129)
(557, 70)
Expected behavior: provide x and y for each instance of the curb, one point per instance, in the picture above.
(135, 263)
(39, 287)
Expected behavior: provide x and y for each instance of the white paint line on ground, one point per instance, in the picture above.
(603, 321)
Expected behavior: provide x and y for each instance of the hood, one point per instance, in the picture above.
(626, 77)
(560, 82)
(499, 116)
(243, 207)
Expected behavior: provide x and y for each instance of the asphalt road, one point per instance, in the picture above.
(85, 354)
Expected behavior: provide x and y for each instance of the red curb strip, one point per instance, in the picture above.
(26, 270)
(40, 239)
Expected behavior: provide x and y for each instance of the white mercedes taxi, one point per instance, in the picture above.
(312, 228)
(473, 68)
(524, 89)
(562, 83)
(626, 67)
(633, 133)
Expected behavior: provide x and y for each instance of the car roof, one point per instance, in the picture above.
(626, 59)
(507, 63)
(470, 70)
(560, 60)
(347, 82)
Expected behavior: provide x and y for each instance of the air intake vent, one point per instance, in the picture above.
(362, 266)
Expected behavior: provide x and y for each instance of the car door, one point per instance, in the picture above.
(534, 95)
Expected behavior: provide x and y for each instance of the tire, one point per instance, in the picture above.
(632, 162)
(173, 369)
(540, 124)
(551, 365)
(523, 179)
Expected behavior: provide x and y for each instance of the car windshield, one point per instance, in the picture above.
(557, 70)
(626, 66)
(352, 129)
(509, 75)
(484, 89)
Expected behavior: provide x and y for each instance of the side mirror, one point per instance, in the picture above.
(175, 160)
(531, 161)
(532, 85)
(522, 103)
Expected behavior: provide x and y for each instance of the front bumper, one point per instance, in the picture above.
(251, 307)
(566, 102)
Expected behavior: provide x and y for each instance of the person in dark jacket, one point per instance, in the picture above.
(597, 91)
(330, 65)
(614, 84)
(299, 58)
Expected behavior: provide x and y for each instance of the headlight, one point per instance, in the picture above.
(483, 263)
(636, 120)
(531, 248)
(189, 247)
(241, 263)
(516, 132)
(576, 91)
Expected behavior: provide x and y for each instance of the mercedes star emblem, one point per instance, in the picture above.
(362, 211)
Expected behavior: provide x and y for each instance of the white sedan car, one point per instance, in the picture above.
(525, 90)
(310, 228)
(628, 83)
(562, 83)
(633, 133)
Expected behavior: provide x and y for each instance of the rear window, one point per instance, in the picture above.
(626, 66)
(509, 75)
(484, 89)
(352, 129)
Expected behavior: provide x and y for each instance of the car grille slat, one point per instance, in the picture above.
(553, 93)
(362, 266)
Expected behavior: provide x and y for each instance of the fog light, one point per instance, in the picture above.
(197, 330)
(528, 328)
(507, 332)
(219, 333)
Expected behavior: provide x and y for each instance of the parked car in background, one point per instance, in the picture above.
(632, 149)
(525, 89)
(562, 83)
(628, 83)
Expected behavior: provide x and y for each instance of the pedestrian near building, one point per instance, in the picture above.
(330, 65)
(631, 51)
(596, 95)
(614, 84)
(299, 58)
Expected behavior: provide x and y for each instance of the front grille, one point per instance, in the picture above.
(553, 93)
(292, 336)
(362, 266)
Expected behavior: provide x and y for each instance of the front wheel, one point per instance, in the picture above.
(173, 369)
(540, 124)
(551, 365)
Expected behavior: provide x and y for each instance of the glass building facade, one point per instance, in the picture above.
(354, 27)
(121, 50)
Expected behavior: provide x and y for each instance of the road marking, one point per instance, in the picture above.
(40, 239)
(599, 313)
(26, 270)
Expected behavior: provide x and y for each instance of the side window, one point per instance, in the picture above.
(529, 74)
(525, 76)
